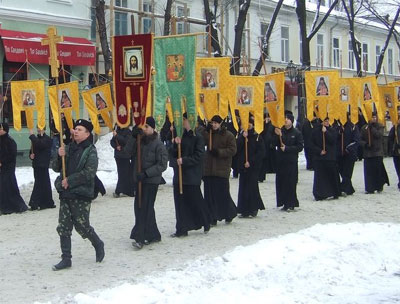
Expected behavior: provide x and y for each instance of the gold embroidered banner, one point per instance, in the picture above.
(28, 96)
(348, 100)
(390, 100)
(369, 97)
(64, 101)
(274, 98)
(98, 101)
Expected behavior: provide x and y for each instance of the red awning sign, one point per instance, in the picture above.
(73, 51)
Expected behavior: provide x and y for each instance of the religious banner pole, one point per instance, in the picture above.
(52, 40)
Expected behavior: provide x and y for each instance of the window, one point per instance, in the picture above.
(377, 54)
(365, 56)
(320, 50)
(181, 11)
(284, 44)
(351, 56)
(390, 61)
(93, 25)
(336, 52)
(147, 26)
(121, 19)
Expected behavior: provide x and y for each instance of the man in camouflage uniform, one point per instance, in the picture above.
(76, 192)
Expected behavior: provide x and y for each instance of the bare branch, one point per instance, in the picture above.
(316, 17)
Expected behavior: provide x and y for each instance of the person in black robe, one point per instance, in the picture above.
(249, 198)
(234, 166)
(326, 174)
(268, 161)
(190, 207)
(361, 122)
(375, 175)
(153, 161)
(289, 143)
(394, 147)
(122, 142)
(306, 130)
(10, 198)
(347, 147)
(39, 153)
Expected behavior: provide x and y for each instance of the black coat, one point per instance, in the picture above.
(393, 143)
(348, 140)
(293, 141)
(124, 140)
(255, 152)
(192, 148)
(41, 147)
(8, 153)
(307, 129)
(372, 140)
(330, 143)
(268, 137)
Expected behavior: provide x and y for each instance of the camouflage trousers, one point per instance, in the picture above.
(74, 213)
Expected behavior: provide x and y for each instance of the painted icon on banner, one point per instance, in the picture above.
(133, 62)
(209, 78)
(322, 86)
(269, 92)
(367, 95)
(28, 98)
(99, 101)
(175, 67)
(244, 95)
(388, 101)
(344, 93)
(65, 100)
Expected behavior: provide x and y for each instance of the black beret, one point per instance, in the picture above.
(151, 122)
(216, 118)
(84, 123)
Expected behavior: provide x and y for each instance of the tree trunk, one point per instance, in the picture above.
(264, 48)
(211, 23)
(237, 48)
(167, 17)
(305, 45)
(101, 24)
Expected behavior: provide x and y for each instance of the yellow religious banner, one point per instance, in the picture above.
(213, 86)
(247, 96)
(98, 101)
(322, 90)
(348, 101)
(64, 101)
(369, 97)
(28, 96)
(390, 100)
(274, 98)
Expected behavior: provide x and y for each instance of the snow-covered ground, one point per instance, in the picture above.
(334, 251)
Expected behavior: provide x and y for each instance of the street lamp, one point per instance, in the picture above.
(295, 75)
(292, 71)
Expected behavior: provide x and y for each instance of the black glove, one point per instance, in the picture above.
(136, 131)
(214, 152)
(141, 176)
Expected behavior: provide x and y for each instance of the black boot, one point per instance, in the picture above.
(98, 246)
(66, 256)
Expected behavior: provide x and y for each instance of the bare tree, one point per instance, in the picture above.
(212, 27)
(239, 27)
(167, 17)
(265, 45)
(102, 29)
(316, 25)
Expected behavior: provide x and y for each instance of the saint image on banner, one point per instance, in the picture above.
(388, 101)
(322, 86)
(175, 67)
(209, 78)
(133, 62)
(244, 95)
(269, 92)
(99, 101)
(28, 98)
(65, 101)
(344, 93)
(367, 95)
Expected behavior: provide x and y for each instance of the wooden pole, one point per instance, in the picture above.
(209, 41)
(180, 169)
(323, 141)
(63, 71)
(384, 73)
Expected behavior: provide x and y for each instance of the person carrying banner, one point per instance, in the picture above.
(394, 146)
(76, 191)
(326, 175)
(217, 168)
(306, 130)
(268, 161)
(347, 147)
(289, 143)
(153, 159)
(10, 198)
(375, 175)
(190, 207)
(41, 196)
(249, 198)
(122, 142)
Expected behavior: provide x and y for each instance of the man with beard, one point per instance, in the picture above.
(122, 142)
(10, 198)
(217, 170)
(249, 198)
(288, 142)
(153, 161)
(190, 207)
(347, 147)
(375, 175)
(268, 161)
(306, 130)
(326, 175)
(76, 190)
(41, 196)
(394, 146)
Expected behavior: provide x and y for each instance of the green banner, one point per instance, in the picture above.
(175, 64)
